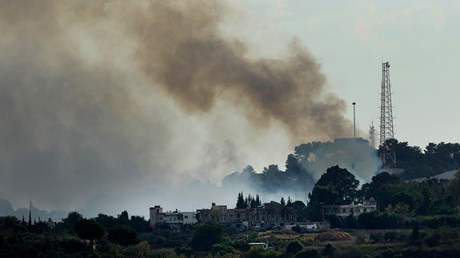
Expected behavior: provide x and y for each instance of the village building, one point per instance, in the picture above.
(269, 215)
(258, 245)
(175, 219)
(350, 209)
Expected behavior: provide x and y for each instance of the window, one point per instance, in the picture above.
(185, 217)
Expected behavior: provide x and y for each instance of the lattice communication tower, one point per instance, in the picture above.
(387, 148)
(372, 135)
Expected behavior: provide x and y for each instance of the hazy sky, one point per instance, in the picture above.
(350, 39)
(109, 105)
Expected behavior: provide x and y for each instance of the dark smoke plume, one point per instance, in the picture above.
(89, 97)
(181, 48)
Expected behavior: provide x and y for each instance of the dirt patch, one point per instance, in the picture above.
(332, 236)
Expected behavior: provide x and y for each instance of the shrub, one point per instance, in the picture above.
(294, 247)
(308, 253)
(306, 239)
(329, 250)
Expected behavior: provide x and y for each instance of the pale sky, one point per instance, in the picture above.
(351, 38)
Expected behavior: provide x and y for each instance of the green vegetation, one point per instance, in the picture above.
(413, 219)
(248, 202)
(206, 236)
(336, 186)
(434, 159)
(89, 230)
(294, 247)
(123, 235)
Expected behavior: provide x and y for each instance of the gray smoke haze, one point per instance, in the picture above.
(355, 155)
(125, 102)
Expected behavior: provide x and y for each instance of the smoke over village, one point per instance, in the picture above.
(108, 104)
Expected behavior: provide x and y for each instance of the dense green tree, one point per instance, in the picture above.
(39, 227)
(139, 224)
(11, 224)
(205, 236)
(293, 166)
(381, 188)
(89, 230)
(69, 222)
(342, 181)
(123, 218)
(250, 202)
(240, 202)
(270, 170)
(435, 159)
(72, 218)
(321, 195)
(107, 221)
(324, 195)
(373, 188)
(258, 202)
(123, 235)
(336, 186)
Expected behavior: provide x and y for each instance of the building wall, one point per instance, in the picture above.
(347, 210)
(251, 218)
(156, 214)
(174, 219)
(189, 217)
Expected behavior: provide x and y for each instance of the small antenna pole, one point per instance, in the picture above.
(354, 120)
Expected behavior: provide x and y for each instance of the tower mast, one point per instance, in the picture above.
(387, 148)
(372, 135)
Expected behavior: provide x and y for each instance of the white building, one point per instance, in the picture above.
(175, 219)
(351, 209)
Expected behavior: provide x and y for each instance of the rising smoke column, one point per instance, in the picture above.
(182, 49)
(86, 89)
